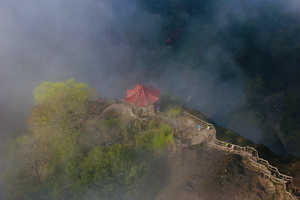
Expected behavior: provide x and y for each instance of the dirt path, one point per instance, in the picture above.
(190, 171)
(207, 172)
(189, 128)
(185, 125)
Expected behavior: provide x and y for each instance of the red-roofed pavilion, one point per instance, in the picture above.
(142, 96)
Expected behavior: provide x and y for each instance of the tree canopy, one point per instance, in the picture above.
(57, 104)
(75, 152)
(56, 91)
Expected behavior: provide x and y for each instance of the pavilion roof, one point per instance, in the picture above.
(142, 96)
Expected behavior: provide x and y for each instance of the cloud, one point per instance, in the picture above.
(58, 40)
(112, 45)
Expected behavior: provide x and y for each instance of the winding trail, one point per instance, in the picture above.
(185, 122)
(249, 152)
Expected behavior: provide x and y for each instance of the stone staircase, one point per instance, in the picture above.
(249, 152)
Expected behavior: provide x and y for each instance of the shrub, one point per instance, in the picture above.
(291, 117)
(111, 123)
(110, 171)
(231, 134)
(166, 137)
(166, 100)
(245, 142)
(160, 140)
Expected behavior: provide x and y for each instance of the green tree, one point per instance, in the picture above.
(57, 91)
(58, 119)
(256, 88)
(61, 106)
(112, 171)
(167, 101)
(57, 123)
(291, 117)
(61, 103)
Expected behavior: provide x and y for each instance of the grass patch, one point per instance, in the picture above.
(160, 140)
(111, 123)
(245, 142)
(231, 134)
(164, 138)
(156, 139)
(175, 110)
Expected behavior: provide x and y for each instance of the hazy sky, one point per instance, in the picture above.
(88, 40)
(109, 45)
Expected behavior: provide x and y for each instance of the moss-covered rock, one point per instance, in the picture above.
(232, 137)
(227, 135)
(199, 115)
(245, 142)
(264, 152)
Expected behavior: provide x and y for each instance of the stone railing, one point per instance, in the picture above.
(254, 153)
(200, 121)
(249, 152)
(269, 168)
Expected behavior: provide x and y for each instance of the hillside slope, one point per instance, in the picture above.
(112, 145)
(208, 173)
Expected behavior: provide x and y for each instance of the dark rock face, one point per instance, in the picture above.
(207, 173)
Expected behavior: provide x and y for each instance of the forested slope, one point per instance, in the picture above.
(238, 51)
(79, 148)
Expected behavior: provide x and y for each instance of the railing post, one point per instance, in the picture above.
(243, 151)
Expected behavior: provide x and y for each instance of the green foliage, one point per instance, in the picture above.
(27, 174)
(165, 129)
(57, 121)
(111, 123)
(272, 140)
(167, 101)
(290, 122)
(110, 114)
(149, 124)
(63, 158)
(291, 118)
(62, 148)
(72, 90)
(112, 170)
(174, 111)
(56, 186)
(160, 140)
(145, 140)
(165, 138)
(265, 45)
(228, 135)
(155, 139)
(57, 125)
(61, 108)
(231, 134)
(256, 88)
(245, 142)
(264, 152)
